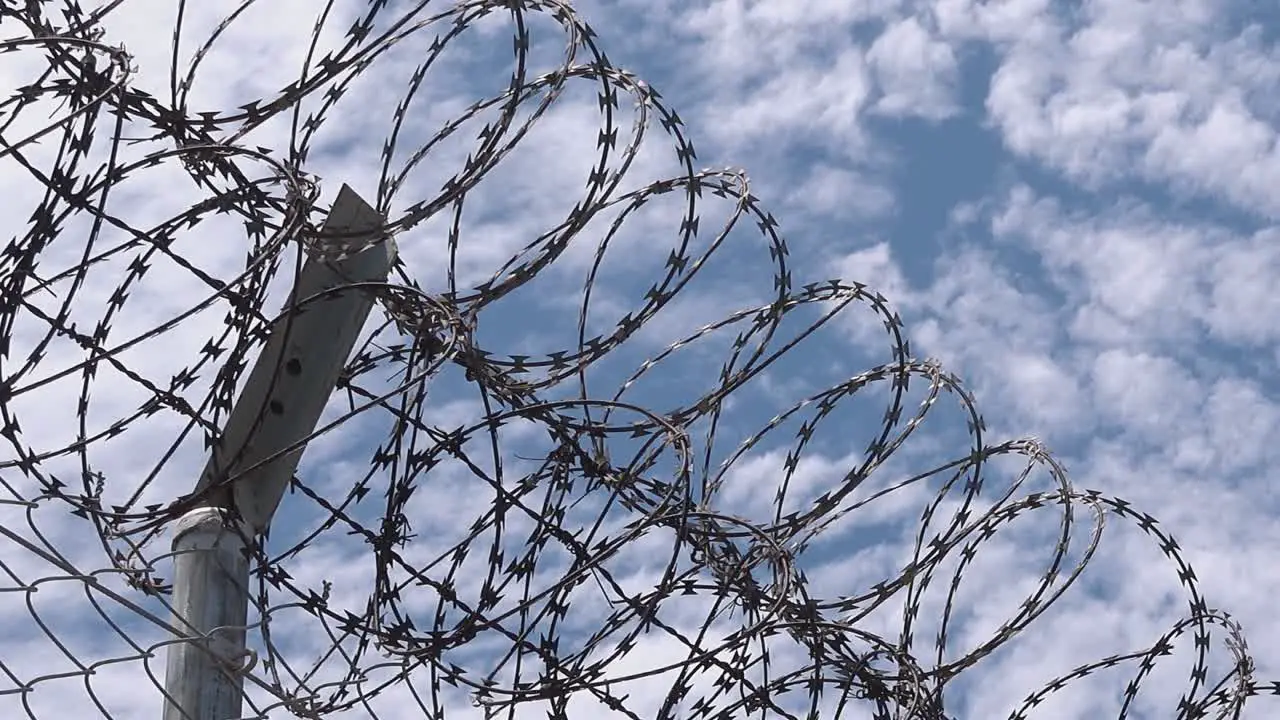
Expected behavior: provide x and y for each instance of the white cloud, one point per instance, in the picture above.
(831, 191)
(1148, 279)
(916, 71)
(1126, 90)
(1135, 390)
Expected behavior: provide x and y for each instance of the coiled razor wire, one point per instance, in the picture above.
(521, 629)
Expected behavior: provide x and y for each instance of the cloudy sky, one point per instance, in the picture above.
(1068, 203)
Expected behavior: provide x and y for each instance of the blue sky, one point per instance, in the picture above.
(1069, 204)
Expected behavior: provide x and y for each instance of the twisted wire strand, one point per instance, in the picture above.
(616, 473)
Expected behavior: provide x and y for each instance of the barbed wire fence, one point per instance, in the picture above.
(525, 611)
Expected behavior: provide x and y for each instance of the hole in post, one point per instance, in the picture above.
(276, 407)
(293, 367)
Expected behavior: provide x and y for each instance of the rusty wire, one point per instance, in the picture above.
(615, 470)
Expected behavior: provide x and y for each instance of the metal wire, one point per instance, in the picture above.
(526, 606)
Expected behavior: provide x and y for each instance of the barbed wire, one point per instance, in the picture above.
(616, 473)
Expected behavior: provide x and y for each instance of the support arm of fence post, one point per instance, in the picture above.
(280, 405)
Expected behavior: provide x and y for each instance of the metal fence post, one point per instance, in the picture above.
(210, 592)
(280, 405)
